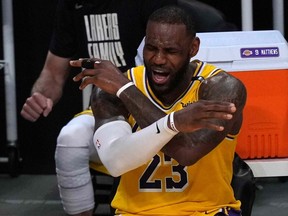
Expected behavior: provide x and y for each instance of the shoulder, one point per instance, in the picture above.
(135, 72)
(223, 78)
(225, 87)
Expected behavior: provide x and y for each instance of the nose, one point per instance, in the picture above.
(159, 58)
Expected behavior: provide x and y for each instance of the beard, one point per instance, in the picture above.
(177, 78)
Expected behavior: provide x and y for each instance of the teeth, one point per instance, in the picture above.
(159, 71)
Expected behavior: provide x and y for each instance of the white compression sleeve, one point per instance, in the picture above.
(120, 150)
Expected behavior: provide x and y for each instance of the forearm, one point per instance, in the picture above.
(120, 150)
(53, 77)
(141, 108)
(48, 87)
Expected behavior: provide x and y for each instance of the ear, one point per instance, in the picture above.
(194, 47)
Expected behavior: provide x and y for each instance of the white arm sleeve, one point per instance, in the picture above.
(120, 150)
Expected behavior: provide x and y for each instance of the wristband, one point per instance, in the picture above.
(166, 123)
(172, 123)
(123, 88)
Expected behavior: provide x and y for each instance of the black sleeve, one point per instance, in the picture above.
(63, 38)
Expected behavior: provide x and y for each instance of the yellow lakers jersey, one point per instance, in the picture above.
(162, 186)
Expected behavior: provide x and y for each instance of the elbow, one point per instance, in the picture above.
(185, 157)
(113, 169)
(114, 173)
(187, 161)
(119, 167)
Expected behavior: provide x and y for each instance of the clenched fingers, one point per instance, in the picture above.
(36, 105)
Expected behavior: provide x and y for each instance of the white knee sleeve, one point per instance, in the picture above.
(72, 165)
(77, 133)
(74, 180)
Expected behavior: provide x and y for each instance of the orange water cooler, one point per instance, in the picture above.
(260, 60)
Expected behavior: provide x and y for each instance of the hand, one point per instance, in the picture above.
(101, 73)
(35, 106)
(201, 113)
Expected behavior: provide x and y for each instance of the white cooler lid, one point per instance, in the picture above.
(244, 50)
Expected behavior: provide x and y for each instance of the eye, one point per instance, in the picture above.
(149, 48)
(171, 51)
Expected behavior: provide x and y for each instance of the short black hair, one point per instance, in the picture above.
(174, 15)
